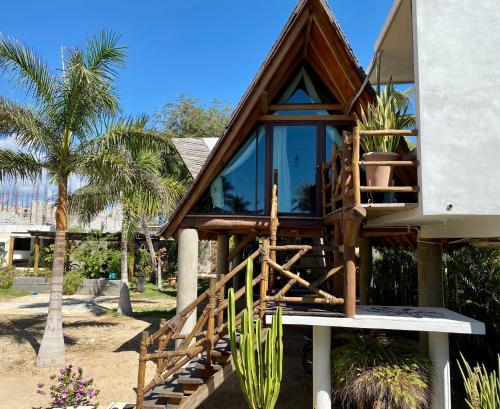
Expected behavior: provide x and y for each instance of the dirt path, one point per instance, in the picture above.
(105, 347)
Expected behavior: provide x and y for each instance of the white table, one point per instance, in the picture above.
(438, 322)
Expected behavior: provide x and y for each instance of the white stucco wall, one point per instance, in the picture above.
(457, 78)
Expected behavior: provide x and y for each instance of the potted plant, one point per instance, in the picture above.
(388, 111)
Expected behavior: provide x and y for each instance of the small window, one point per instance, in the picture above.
(22, 243)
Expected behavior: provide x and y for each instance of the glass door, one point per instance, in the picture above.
(295, 159)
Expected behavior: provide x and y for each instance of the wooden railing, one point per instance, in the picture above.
(341, 176)
(211, 325)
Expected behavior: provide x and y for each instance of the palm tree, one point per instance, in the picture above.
(64, 132)
(139, 204)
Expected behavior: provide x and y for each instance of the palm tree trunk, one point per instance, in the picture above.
(124, 304)
(152, 253)
(51, 352)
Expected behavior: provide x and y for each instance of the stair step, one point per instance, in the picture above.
(155, 403)
(190, 381)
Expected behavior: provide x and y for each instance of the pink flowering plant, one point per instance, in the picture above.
(69, 388)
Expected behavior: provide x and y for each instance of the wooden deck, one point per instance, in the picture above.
(373, 210)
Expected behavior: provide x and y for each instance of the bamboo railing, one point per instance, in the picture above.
(210, 326)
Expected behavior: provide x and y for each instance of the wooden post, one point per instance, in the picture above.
(349, 281)
(264, 272)
(142, 369)
(222, 268)
(162, 343)
(355, 166)
(211, 321)
(37, 255)
(365, 269)
(11, 251)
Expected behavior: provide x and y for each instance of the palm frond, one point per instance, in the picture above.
(25, 65)
(103, 56)
(25, 124)
(89, 200)
(19, 165)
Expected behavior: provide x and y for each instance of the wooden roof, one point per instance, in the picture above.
(311, 34)
(193, 152)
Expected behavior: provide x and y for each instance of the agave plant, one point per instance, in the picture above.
(388, 111)
(481, 387)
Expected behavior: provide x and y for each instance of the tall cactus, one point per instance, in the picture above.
(259, 371)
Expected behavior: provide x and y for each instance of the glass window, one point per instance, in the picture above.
(294, 157)
(239, 188)
(332, 137)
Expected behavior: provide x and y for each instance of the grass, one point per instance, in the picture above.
(151, 291)
(7, 293)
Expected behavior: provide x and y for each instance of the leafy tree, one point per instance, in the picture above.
(70, 128)
(139, 205)
(187, 117)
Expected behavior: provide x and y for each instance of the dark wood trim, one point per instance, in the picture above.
(279, 118)
(306, 107)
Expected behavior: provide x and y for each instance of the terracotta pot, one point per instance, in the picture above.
(380, 175)
(173, 282)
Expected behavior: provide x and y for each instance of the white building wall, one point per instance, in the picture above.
(457, 78)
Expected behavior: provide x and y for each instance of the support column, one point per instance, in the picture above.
(430, 280)
(222, 269)
(365, 269)
(37, 255)
(187, 274)
(430, 273)
(10, 259)
(439, 355)
(322, 382)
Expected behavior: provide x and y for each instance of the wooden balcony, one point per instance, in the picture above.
(345, 185)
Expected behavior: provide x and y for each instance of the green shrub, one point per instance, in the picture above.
(93, 255)
(114, 262)
(72, 280)
(382, 374)
(7, 275)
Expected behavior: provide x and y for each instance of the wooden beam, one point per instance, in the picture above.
(11, 251)
(306, 107)
(409, 189)
(36, 255)
(278, 118)
(383, 132)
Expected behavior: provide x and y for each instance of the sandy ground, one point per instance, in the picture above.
(105, 346)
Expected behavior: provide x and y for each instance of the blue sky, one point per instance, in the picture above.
(206, 49)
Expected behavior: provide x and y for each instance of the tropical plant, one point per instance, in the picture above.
(482, 388)
(72, 280)
(7, 275)
(70, 129)
(69, 388)
(154, 196)
(388, 111)
(259, 369)
(382, 374)
(92, 254)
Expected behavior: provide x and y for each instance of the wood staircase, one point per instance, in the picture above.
(192, 361)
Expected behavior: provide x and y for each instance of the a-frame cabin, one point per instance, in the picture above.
(286, 181)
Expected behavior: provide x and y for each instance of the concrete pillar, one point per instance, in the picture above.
(430, 280)
(322, 377)
(187, 274)
(430, 273)
(365, 269)
(222, 268)
(439, 355)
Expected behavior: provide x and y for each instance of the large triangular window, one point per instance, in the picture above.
(301, 90)
(304, 88)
